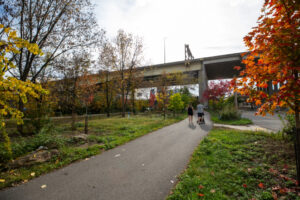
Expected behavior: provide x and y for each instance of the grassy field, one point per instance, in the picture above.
(231, 164)
(242, 121)
(104, 134)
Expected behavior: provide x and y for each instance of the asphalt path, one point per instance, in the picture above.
(271, 122)
(143, 169)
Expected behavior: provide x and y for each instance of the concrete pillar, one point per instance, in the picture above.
(203, 82)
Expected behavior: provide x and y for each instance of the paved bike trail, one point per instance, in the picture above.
(143, 169)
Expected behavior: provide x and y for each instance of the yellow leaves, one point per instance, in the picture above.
(6, 30)
(12, 34)
(32, 174)
(12, 88)
(2, 180)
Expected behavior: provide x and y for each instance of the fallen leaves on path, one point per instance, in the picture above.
(43, 186)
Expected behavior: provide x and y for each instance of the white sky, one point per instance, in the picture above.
(210, 27)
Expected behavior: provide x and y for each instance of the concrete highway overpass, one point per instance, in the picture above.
(199, 71)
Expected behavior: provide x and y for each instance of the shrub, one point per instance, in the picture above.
(289, 126)
(26, 145)
(216, 105)
(229, 113)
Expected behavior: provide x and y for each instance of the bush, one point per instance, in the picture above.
(26, 145)
(229, 113)
(216, 105)
(289, 126)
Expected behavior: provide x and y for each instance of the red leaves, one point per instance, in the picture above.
(200, 194)
(244, 185)
(261, 185)
(152, 99)
(217, 89)
(237, 68)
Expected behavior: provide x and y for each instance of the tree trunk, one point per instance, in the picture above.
(107, 97)
(21, 108)
(73, 127)
(297, 141)
(133, 102)
(107, 112)
(297, 132)
(123, 102)
(86, 120)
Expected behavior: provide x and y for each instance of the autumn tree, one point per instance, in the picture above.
(11, 88)
(163, 83)
(87, 87)
(128, 51)
(274, 58)
(152, 99)
(71, 67)
(175, 103)
(216, 90)
(135, 83)
(107, 61)
(56, 27)
(186, 96)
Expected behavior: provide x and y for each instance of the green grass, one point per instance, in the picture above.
(104, 134)
(231, 164)
(242, 121)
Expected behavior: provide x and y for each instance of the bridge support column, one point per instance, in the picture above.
(203, 83)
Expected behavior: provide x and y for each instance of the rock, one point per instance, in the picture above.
(41, 148)
(81, 137)
(35, 157)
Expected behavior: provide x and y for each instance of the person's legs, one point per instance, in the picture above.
(202, 117)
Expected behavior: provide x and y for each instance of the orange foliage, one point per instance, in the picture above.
(274, 57)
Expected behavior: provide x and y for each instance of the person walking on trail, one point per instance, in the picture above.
(200, 111)
(190, 113)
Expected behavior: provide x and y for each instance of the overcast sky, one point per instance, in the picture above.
(210, 27)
